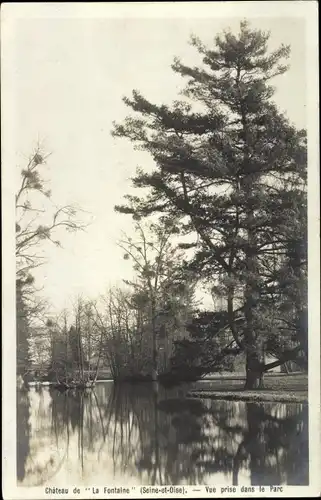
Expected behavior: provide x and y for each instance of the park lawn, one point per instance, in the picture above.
(285, 388)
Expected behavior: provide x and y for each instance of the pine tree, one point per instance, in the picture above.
(232, 167)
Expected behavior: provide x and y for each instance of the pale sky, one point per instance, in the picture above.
(68, 80)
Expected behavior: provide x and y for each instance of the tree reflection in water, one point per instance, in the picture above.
(43, 460)
(157, 437)
(270, 441)
(23, 432)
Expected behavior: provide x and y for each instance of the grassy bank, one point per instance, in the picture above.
(288, 388)
(252, 396)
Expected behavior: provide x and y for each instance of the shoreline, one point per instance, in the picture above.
(288, 388)
(248, 396)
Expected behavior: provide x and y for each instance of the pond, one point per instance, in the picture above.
(131, 435)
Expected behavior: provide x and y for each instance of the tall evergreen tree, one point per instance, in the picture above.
(234, 169)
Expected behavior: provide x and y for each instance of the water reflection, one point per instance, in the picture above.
(23, 432)
(140, 435)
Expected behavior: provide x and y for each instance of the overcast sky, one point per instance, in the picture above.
(68, 80)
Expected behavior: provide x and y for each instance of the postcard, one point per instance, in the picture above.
(161, 298)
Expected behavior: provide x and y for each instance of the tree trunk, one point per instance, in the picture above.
(154, 371)
(154, 343)
(254, 372)
(253, 343)
(253, 348)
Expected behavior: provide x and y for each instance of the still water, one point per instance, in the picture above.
(134, 435)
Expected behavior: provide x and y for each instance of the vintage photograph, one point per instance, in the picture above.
(160, 173)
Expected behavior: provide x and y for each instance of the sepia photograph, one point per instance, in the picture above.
(160, 250)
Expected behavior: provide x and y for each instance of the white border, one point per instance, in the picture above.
(12, 11)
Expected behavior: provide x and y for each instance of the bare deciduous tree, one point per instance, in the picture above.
(38, 219)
